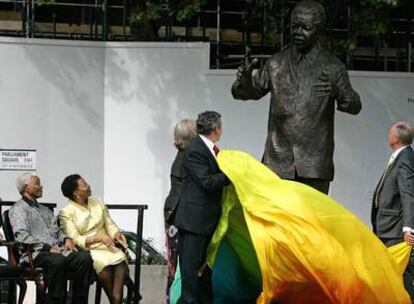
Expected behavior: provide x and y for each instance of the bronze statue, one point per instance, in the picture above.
(304, 81)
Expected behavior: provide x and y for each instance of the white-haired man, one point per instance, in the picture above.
(35, 224)
(392, 213)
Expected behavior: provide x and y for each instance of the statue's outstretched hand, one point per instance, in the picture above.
(244, 72)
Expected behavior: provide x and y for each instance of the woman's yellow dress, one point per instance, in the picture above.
(78, 223)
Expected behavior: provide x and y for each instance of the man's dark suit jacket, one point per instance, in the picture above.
(395, 199)
(199, 206)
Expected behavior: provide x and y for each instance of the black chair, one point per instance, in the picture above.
(136, 239)
(29, 273)
(133, 294)
(12, 273)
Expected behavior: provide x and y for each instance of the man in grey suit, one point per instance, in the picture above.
(306, 83)
(392, 213)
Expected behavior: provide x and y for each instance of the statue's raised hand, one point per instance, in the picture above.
(244, 72)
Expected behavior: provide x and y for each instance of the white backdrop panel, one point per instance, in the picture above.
(52, 101)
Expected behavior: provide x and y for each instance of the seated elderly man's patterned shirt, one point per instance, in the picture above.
(35, 224)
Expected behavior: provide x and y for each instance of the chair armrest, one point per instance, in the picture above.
(12, 261)
(29, 251)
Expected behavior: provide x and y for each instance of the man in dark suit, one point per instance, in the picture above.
(199, 208)
(392, 213)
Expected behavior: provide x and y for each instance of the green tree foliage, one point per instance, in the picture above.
(44, 2)
(368, 18)
(147, 15)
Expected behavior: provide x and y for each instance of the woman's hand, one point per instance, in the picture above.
(107, 241)
(120, 237)
(55, 249)
(70, 245)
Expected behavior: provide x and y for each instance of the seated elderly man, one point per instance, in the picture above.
(35, 224)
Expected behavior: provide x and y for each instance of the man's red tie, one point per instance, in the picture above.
(216, 150)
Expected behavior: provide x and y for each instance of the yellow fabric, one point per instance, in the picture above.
(401, 254)
(310, 249)
(78, 223)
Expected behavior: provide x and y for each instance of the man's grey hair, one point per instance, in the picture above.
(185, 130)
(207, 121)
(311, 7)
(404, 132)
(23, 180)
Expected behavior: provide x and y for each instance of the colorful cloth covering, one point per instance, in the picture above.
(279, 241)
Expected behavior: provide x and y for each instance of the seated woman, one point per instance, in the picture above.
(87, 222)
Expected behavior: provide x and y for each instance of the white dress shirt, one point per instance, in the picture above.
(210, 145)
(395, 154)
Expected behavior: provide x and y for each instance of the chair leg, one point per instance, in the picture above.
(133, 295)
(130, 290)
(69, 294)
(12, 292)
(22, 290)
(40, 290)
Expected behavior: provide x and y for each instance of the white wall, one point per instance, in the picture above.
(51, 97)
(107, 110)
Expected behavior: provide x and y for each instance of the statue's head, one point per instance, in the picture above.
(307, 21)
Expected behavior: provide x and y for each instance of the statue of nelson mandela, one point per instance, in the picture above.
(306, 84)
